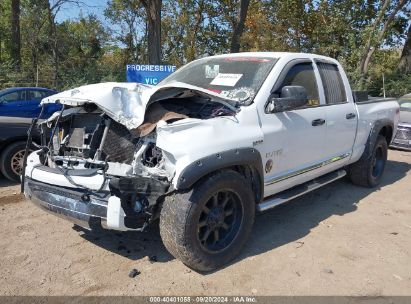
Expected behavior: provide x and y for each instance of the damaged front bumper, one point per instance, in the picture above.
(125, 204)
(84, 209)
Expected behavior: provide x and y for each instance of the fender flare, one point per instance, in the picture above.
(374, 132)
(234, 157)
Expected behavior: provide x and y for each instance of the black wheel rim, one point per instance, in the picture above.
(378, 162)
(220, 221)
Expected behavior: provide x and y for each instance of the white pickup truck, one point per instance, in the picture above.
(218, 140)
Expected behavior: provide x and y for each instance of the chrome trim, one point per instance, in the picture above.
(308, 169)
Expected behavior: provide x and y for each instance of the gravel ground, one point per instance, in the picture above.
(338, 240)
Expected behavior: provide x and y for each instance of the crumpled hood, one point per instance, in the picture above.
(126, 103)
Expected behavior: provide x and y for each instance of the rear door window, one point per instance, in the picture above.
(36, 95)
(333, 84)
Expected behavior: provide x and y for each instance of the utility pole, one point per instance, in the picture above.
(37, 76)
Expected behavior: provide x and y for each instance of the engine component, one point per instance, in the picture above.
(150, 188)
(152, 155)
(119, 145)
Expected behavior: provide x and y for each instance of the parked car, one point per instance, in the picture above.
(402, 139)
(218, 140)
(18, 106)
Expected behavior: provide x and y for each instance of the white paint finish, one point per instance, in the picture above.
(302, 145)
(126, 103)
(91, 182)
(288, 137)
(368, 113)
(115, 214)
(340, 131)
(188, 140)
(292, 133)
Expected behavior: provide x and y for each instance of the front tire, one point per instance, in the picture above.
(207, 226)
(368, 170)
(11, 160)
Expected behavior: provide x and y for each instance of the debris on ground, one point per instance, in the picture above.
(133, 273)
(299, 244)
(394, 233)
(327, 270)
(152, 259)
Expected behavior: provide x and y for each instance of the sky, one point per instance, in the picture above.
(73, 11)
(96, 7)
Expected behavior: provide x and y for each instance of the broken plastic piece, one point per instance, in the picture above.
(115, 214)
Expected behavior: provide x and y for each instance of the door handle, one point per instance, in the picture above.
(350, 116)
(317, 122)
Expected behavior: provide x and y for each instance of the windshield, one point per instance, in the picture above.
(405, 104)
(236, 78)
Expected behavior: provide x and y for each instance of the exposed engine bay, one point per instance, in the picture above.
(85, 140)
(86, 137)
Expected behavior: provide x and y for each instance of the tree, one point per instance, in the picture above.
(405, 60)
(15, 49)
(4, 27)
(34, 35)
(238, 26)
(129, 15)
(377, 33)
(53, 7)
(188, 32)
(153, 12)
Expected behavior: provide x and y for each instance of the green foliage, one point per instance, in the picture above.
(89, 52)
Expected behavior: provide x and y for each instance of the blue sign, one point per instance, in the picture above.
(148, 73)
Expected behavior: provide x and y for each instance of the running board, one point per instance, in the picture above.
(287, 195)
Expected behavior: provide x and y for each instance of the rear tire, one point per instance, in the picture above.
(11, 160)
(368, 170)
(207, 226)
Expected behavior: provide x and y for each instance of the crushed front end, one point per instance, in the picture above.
(96, 169)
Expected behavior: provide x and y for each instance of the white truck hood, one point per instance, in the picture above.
(126, 103)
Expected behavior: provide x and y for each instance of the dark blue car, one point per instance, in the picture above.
(24, 102)
(18, 106)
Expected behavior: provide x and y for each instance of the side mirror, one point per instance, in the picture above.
(291, 97)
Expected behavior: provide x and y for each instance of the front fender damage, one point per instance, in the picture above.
(94, 151)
